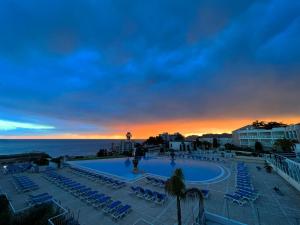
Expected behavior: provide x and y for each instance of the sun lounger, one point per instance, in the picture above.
(112, 207)
(38, 201)
(235, 198)
(149, 195)
(134, 190)
(121, 212)
(160, 198)
(102, 202)
(205, 193)
(94, 198)
(141, 192)
(245, 195)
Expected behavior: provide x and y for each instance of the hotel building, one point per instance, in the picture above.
(248, 135)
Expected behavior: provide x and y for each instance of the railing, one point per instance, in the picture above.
(285, 165)
(60, 219)
(63, 212)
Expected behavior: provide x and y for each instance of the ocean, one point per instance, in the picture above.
(56, 147)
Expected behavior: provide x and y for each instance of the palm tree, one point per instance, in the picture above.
(196, 193)
(175, 186)
(286, 145)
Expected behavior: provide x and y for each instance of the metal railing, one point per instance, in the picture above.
(286, 165)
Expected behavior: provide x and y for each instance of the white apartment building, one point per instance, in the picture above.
(181, 145)
(169, 137)
(248, 135)
(221, 140)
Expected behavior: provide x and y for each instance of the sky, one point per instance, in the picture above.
(97, 69)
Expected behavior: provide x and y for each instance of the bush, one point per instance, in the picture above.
(42, 162)
(5, 215)
(127, 153)
(35, 216)
(102, 153)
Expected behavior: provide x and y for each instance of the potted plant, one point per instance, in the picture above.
(135, 163)
(268, 168)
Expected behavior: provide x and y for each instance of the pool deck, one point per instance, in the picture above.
(269, 208)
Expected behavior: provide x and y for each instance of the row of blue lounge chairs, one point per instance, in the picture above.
(90, 196)
(24, 184)
(244, 189)
(161, 183)
(39, 199)
(156, 181)
(114, 183)
(16, 168)
(205, 158)
(149, 195)
(199, 157)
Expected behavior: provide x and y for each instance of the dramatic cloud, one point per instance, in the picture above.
(86, 66)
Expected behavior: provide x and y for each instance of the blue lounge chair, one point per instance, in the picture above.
(235, 198)
(112, 207)
(134, 190)
(94, 198)
(102, 202)
(141, 192)
(41, 200)
(246, 196)
(160, 198)
(149, 195)
(205, 193)
(121, 212)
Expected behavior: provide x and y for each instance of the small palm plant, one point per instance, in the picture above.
(196, 193)
(175, 186)
(268, 168)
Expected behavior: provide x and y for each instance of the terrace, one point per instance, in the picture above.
(269, 208)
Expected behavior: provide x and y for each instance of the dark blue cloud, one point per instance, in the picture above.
(85, 64)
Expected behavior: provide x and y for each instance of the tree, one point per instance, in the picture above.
(175, 186)
(198, 143)
(229, 146)
(286, 145)
(139, 150)
(154, 141)
(196, 193)
(179, 137)
(268, 126)
(215, 143)
(258, 147)
(207, 145)
(172, 154)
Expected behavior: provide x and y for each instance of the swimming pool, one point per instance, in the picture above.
(194, 170)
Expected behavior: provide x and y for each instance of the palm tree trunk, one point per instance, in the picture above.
(178, 211)
(201, 215)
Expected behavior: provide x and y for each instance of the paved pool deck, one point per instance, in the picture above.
(269, 208)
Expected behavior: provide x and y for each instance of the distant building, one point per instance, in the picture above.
(169, 137)
(181, 145)
(247, 136)
(222, 139)
(128, 144)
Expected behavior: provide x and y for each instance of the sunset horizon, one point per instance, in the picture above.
(144, 131)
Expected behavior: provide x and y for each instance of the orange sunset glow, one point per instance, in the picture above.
(144, 130)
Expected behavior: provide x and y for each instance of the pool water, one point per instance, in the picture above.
(194, 170)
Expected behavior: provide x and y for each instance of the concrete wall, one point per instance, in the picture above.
(221, 220)
(176, 145)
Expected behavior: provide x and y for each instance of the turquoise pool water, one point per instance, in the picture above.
(194, 170)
